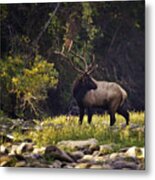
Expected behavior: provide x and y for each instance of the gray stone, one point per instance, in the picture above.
(76, 155)
(57, 164)
(13, 150)
(78, 145)
(96, 166)
(106, 149)
(87, 158)
(113, 156)
(68, 166)
(121, 164)
(40, 150)
(55, 153)
(24, 147)
(135, 152)
(83, 166)
(5, 160)
(3, 149)
(20, 164)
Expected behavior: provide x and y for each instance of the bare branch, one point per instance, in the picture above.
(113, 38)
(46, 25)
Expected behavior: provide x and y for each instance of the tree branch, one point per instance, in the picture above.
(46, 25)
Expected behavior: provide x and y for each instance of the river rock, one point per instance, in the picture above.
(55, 153)
(83, 166)
(20, 164)
(87, 158)
(93, 159)
(96, 166)
(135, 152)
(3, 149)
(5, 160)
(76, 155)
(13, 150)
(37, 164)
(106, 149)
(40, 150)
(24, 147)
(90, 144)
(121, 164)
(56, 164)
(113, 156)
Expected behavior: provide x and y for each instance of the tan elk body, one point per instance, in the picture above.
(90, 93)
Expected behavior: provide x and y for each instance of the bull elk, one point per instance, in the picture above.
(90, 93)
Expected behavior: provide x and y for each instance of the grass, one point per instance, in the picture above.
(52, 130)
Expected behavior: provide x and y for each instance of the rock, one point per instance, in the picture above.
(106, 166)
(68, 166)
(121, 164)
(96, 166)
(39, 150)
(13, 150)
(135, 152)
(113, 156)
(21, 148)
(57, 164)
(3, 149)
(87, 158)
(93, 147)
(76, 155)
(101, 158)
(93, 159)
(24, 147)
(20, 164)
(37, 164)
(5, 160)
(82, 166)
(106, 149)
(95, 153)
(79, 145)
(56, 153)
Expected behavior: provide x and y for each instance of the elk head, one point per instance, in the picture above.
(84, 83)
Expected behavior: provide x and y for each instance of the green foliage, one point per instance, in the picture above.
(87, 22)
(30, 85)
(3, 11)
(52, 130)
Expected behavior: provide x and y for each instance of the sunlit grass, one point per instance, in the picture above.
(52, 130)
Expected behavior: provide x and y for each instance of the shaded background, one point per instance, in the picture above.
(114, 31)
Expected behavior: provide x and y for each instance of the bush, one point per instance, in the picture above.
(24, 84)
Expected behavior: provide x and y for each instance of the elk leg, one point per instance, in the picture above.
(81, 115)
(125, 114)
(112, 119)
(89, 115)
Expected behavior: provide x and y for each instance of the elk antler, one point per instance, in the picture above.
(69, 61)
(92, 66)
(87, 69)
(82, 58)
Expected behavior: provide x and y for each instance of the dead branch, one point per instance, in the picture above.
(46, 25)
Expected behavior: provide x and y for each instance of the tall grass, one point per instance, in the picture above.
(52, 130)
